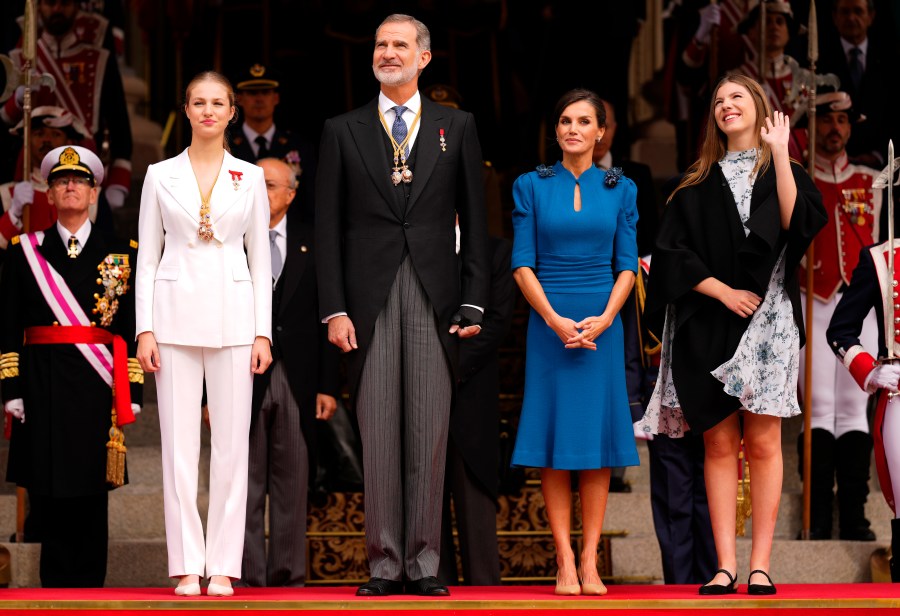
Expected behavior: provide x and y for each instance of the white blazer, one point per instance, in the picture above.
(197, 293)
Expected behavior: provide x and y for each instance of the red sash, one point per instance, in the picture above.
(79, 334)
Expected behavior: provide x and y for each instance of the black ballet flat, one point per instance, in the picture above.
(760, 589)
(719, 589)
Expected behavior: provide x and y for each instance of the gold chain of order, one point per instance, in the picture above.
(400, 148)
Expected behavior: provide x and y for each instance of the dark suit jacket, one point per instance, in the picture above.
(285, 142)
(647, 203)
(870, 99)
(365, 226)
(60, 450)
(474, 421)
(299, 339)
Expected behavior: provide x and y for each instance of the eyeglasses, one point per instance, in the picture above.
(63, 182)
(273, 186)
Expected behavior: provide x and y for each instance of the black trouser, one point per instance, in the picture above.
(74, 542)
(680, 509)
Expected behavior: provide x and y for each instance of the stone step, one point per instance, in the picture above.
(142, 563)
(135, 513)
(793, 562)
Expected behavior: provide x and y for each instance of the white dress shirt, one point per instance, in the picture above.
(413, 105)
(251, 136)
(81, 235)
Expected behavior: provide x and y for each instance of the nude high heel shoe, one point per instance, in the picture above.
(597, 590)
(568, 590)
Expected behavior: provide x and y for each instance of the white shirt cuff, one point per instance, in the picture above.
(331, 316)
(478, 308)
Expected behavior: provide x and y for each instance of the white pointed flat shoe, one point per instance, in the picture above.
(188, 590)
(218, 590)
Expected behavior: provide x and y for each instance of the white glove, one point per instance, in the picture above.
(16, 408)
(20, 97)
(115, 196)
(136, 409)
(23, 194)
(710, 16)
(884, 376)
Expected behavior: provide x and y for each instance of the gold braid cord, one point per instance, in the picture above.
(9, 365)
(115, 452)
(135, 372)
(640, 294)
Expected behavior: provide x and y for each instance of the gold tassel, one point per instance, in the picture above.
(115, 456)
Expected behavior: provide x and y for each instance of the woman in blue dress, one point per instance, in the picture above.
(575, 259)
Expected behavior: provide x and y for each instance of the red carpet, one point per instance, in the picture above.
(502, 601)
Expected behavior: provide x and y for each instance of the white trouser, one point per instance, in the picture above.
(891, 433)
(838, 402)
(229, 388)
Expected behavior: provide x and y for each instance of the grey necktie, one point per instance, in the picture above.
(399, 128)
(277, 260)
(855, 65)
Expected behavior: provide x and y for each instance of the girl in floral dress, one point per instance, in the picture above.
(723, 287)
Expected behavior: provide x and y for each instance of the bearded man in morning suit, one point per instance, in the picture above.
(395, 295)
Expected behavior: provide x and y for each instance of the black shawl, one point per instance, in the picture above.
(701, 235)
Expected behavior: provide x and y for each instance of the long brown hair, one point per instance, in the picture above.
(222, 80)
(715, 142)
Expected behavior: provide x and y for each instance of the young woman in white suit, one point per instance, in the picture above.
(203, 295)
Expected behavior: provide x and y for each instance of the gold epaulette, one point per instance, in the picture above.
(9, 365)
(14, 240)
(133, 244)
(135, 372)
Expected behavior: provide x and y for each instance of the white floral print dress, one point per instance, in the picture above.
(763, 372)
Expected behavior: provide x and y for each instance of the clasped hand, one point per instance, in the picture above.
(581, 335)
(742, 303)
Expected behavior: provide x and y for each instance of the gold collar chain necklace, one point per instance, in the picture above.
(205, 232)
(401, 171)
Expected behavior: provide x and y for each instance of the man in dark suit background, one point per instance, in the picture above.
(647, 225)
(392, 176)
(258, 137)
(299, 388)
(473, 450)
(640, 174)
(864, 65)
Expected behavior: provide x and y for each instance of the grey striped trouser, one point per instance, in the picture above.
(404, 412)
(279, 466)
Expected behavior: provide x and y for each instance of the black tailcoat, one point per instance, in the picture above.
(60, 450)
(365, 226)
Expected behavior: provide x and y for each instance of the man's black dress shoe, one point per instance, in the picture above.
(427, 587)
(380, 587)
